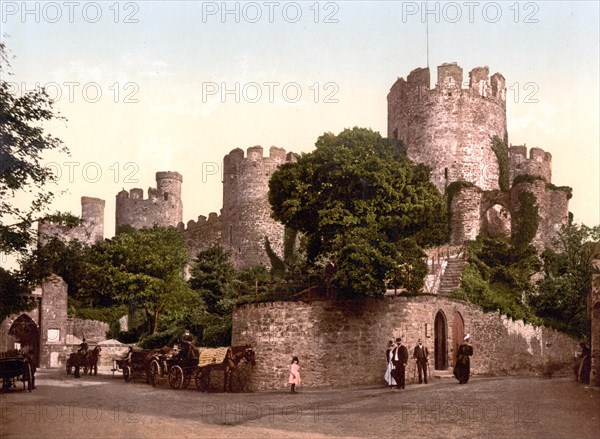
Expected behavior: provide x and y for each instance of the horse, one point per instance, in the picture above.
(88, 360)
(234, 356)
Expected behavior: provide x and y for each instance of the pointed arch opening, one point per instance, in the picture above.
(26, 333)
(441, 341)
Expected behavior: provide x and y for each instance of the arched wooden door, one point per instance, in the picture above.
(458, 332)
(441, 341)
(26, 333)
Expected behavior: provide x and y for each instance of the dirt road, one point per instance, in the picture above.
(107, 407)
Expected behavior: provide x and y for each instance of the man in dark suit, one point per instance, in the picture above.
(399, 359)
(421, 356)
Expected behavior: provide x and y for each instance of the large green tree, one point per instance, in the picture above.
(23, 143)
(560, 297)
(357, 198)
(144, 269)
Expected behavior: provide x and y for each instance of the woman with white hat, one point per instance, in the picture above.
(462, 368)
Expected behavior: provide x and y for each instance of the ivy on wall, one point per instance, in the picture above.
(500, 148)
(527, 221)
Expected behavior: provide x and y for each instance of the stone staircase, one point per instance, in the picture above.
(452, 276)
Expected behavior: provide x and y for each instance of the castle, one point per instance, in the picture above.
(448, 127)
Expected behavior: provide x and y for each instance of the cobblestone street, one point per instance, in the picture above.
(103, 406)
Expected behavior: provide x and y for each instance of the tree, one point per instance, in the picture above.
(357, 197)
(23, 142)
(14, 297)
(144, 269)
(560, 297)
(213, 279)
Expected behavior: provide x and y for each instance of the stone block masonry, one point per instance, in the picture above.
(343, 344)
(162, 208)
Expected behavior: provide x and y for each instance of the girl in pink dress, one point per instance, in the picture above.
(294, 374)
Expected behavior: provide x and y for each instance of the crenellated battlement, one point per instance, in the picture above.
(163, 207)
(449, 127)
(89, 232)
(417, 86)
(213, 218)
(539, 163)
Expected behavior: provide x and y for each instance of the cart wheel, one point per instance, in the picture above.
(175, 377)
(127, 374)
(154, 373)
(28, 375)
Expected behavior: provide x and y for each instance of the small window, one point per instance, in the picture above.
(166, 196)
(446, 173)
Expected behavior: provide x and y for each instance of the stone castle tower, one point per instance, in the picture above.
(162, 208)
(449, 128)
(90, 232)
(246, 216)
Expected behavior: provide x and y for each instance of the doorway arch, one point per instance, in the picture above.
(441, 341)
(458, 332)
(26, 333)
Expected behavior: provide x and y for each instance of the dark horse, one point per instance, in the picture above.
(88, 360)
(234, 356)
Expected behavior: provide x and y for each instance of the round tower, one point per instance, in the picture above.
(92, 213)
(449, 127)
(168, 185)
(246, 215)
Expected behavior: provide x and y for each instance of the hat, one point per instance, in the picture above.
(467, 337)
(398, 340)
(390, 342)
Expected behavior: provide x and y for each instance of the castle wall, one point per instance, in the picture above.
(162, 208)
(90, 232)
(553, 210)
(246, 215)
(449, 127)
(539, 163)
(465, 218)
(342, 344)
(202, 234)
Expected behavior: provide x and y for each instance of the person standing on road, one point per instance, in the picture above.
(294, 374)
(389, 365)
(421, 356)
(462, 368)
(399, 360)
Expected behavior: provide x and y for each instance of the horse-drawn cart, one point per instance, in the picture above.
(15, 367)
(178, 365)
(182, 366)
(135, 362)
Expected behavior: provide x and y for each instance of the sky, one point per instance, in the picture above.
(175, 86)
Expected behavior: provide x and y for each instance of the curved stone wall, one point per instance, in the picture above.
(344, 343)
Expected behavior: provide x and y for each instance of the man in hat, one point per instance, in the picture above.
(421, 356)
(462, 368)
(399, 360)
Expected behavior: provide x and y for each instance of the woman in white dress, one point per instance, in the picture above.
(388, 371)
